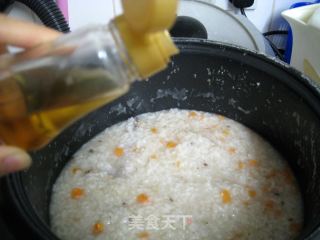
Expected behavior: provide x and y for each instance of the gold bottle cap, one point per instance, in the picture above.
(144, 29)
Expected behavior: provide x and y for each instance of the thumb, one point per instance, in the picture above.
(13, 159)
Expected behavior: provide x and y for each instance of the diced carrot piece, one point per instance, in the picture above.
(143, 235)
(221, 118)
(226, 132)
(271, 174)
(225, 196)
(270, 208)
(241, 165)
(118, 151)
(252, 193)
(142, 198)
(232, 150)
(97, 228)
(77, 193)
(269, 205)
(171, 144)
(154, 130)
(253, 163)
(246, 203)
(192, 114)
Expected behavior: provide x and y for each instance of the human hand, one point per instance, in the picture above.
(25, 35)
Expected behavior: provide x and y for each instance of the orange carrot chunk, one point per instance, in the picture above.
(118, 151)
(241, 165)
(154, 130)
(252, 193)
(246, 203)
(253, 163)
(142, 198)
(271, 208)
(269, 204)
(192, 114)
(143, 235)
(171, 144)
(271, 174)
(77, 193)
(221, 118)
(97, 228)
(225, 196)
(232, 150)
(226, 132)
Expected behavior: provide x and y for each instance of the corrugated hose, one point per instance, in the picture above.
(48, 12)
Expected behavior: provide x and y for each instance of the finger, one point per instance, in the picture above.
(13, 159)
(23, 34)
(3, 49)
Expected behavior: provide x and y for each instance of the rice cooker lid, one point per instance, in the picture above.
(213, 17)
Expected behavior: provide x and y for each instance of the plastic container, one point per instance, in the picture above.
(304, 22)
(288, 52)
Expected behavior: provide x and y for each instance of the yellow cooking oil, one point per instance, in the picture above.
(30, 122)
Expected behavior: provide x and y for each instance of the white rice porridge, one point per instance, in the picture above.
(176, 174)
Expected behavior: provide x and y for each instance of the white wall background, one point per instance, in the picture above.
(265, 14)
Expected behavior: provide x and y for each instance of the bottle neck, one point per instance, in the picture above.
(128, 69)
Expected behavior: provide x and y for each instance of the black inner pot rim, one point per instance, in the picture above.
(188, 45)
(18, 193)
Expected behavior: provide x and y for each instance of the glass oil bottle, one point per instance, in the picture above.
(44, 90)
